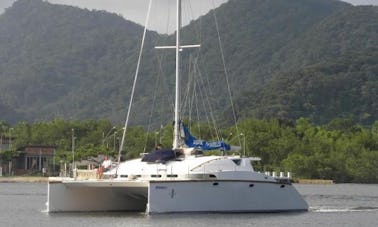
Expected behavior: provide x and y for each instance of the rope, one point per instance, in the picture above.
(226, 72)
(134, 83)
(207, 103)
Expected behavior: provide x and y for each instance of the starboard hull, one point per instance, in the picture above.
(174, 196)
(223, 196)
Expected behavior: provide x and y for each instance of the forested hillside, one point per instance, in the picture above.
(344, 87)
(61, 61)
(286, 59)
(334, 73)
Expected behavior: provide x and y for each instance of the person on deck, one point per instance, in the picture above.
(158, 147)
(106, 164)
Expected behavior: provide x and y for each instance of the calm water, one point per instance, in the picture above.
(23, 204)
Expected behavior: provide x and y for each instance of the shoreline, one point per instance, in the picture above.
(28, 179)
(315, 181)
(40, 179)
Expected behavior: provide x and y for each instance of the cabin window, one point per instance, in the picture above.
(156, 175)
(124, 176)
(172, 175)
(236, 161)
(212, 176)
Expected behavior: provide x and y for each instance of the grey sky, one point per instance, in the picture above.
(136, 10)
(162, 11)
(362, 2)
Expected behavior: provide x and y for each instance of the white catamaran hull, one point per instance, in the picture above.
(173, 196)
(85, 196)
(223, 196)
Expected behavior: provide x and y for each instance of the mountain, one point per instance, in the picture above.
(333, 73)
(258, 30)
(61, 61)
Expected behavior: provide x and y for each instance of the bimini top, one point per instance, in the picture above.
(159, 156)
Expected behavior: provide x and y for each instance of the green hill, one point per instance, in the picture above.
(335, 73)
(287, 59)
(253, 32)
(61, 61)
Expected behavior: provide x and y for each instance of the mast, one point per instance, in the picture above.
(177, 141)
(176, 132)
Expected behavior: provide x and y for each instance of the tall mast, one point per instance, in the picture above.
(177, 142)
(176, 138)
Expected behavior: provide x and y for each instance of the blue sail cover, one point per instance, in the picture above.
(192, 141)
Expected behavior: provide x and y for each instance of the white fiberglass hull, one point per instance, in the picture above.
(174, 196)
(223, 196)
(88, 196)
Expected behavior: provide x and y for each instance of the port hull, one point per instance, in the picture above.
(89, 196)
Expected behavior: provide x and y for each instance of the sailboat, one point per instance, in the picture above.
(180, 179)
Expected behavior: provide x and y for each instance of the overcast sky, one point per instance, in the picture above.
(162, 11)
(136, 10)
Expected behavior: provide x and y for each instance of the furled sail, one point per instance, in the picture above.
(192, 141)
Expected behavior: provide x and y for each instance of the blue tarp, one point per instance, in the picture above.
(192, 141)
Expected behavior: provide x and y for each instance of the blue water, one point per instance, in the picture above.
(23, 204)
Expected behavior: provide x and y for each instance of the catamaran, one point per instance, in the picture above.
(181, 179)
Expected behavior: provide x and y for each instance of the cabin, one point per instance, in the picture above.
(34, 159)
